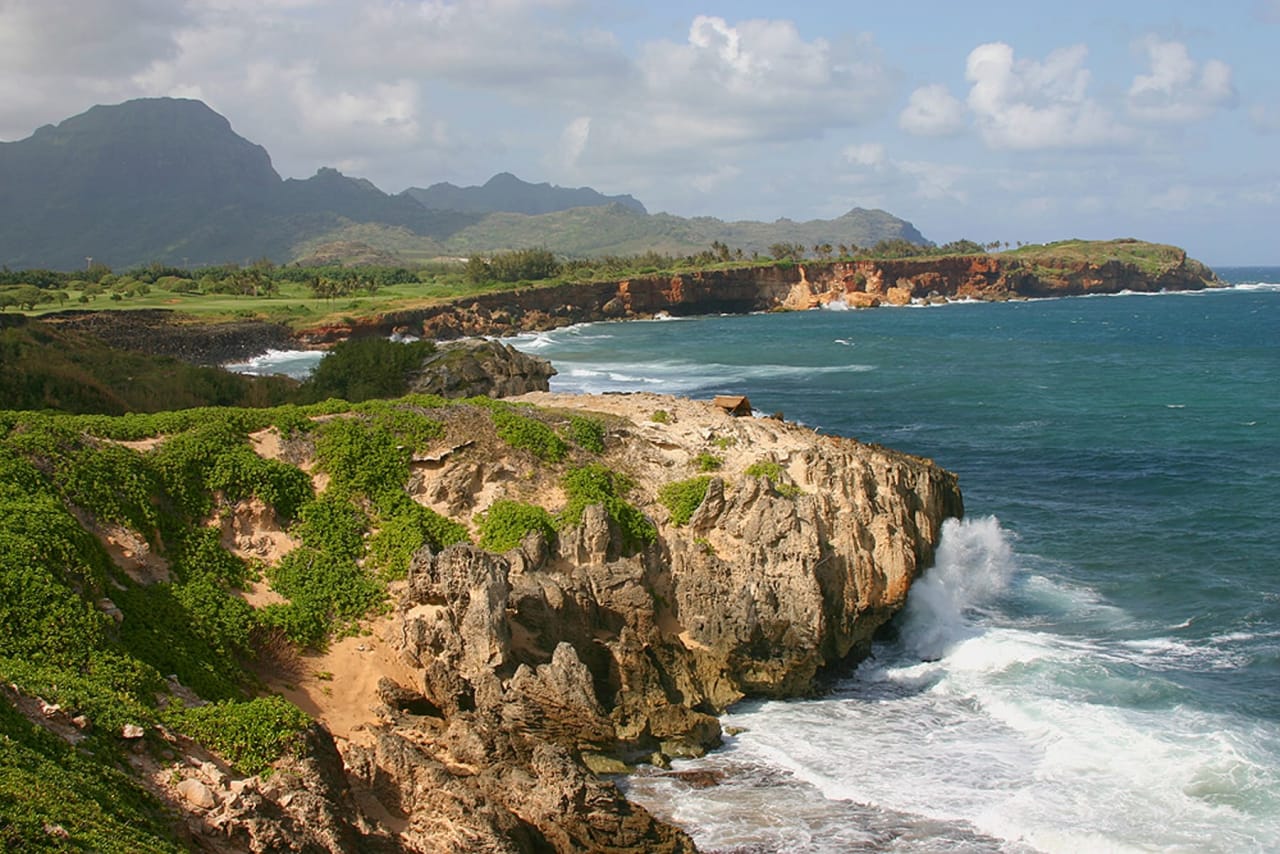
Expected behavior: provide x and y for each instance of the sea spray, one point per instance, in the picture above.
(974, 563)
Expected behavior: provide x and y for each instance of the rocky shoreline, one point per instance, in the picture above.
(801, 286)
(160, 332)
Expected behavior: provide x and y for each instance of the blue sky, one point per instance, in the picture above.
(1013, 121)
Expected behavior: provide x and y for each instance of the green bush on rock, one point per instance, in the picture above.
(598, 484)
(506, 523)
(530, 434)
(776, 475)
(683, 497)
(587, 433)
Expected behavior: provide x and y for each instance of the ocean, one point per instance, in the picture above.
(1094, 662)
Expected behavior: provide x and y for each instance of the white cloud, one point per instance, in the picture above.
(59, 57)
(1178, 197)
(1027, 105)
(866, 154)
(709, 181)
(71, 38)
(1178, 89)
(876, 173)
(520, 46)
(932, 111)
(1265, 118)
(757, 80)
(573, 141)
(936, 181)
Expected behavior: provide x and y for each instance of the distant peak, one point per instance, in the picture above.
(503, 178)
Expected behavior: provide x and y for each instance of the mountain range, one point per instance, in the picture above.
(168, 180)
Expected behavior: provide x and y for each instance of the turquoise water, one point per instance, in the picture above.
(1094, 664)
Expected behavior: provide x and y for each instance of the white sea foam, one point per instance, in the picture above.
(1254, 286)
(678, 376)
(1029, 736)
(294, 363)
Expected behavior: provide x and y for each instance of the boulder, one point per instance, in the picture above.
(197, 794)
(475, 367)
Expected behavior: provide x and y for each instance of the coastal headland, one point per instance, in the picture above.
(591, 581)
(1069, 268)
(799, 286)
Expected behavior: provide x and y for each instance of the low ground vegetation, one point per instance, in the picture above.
(111, 646)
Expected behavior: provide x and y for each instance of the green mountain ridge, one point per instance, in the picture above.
(506, 192)
(168, 180)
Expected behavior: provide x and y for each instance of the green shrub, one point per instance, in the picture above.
(111, 690)
(326, 593)
(44, 619)
(587, 433)
(405, 529)
(364, 368)
(413, 429)
(506, 523)
(198, 554)
(776, 475)
(683, 497)
(333, 525)
(238, 473)
(291, 420)
(660, 416)
(250, 735)
(360, 458)
(707, 462)
(765, 468)
(530, 434)
(597, 484)
(113, 483)
(160, 630)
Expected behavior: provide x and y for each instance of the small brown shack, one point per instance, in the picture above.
(733, 404)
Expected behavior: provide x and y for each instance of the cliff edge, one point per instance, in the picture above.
(472, 716)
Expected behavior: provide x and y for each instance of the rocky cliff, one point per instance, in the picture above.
(858, 284)
(472, 716)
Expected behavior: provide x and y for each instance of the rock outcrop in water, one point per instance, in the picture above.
(472, 717)
(476, 367)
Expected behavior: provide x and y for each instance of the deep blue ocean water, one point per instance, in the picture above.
(1094, 663)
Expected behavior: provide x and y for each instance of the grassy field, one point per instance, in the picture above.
(293, 305)
(1150, 258)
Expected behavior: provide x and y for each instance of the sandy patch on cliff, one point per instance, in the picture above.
(128, 550)
(250, 530)
(339, 687)
(266, 443)
(141, 445)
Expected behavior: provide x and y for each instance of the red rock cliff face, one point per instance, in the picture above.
(859, 284)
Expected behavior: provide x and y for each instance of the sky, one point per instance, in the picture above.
(1013, 121)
